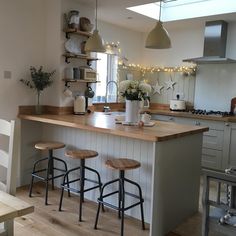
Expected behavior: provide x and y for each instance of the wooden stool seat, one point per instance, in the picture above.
(81, 154)
(122, 164)
(49, 145)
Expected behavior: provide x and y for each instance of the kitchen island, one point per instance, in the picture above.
(169, 153)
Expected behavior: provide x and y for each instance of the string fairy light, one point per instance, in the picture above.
(185, 70)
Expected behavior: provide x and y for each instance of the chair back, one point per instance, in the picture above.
(8, 157)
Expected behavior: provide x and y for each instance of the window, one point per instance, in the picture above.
(107, 71)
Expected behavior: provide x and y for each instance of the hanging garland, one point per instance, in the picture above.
(185, 70)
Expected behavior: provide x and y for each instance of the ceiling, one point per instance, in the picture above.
(115, 12)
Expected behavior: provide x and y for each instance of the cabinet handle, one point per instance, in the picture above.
(197, 123)
(226, 124)
(171, 118)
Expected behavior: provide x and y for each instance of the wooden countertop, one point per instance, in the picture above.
(190, 115)
(100, 122)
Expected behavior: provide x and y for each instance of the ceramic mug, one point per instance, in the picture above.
(145, 118)
(67, 92)
(89, 92)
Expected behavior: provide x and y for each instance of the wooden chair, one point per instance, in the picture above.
(8, 160)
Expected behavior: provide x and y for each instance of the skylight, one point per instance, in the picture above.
(185, 9)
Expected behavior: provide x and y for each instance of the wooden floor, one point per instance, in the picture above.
(47, 220)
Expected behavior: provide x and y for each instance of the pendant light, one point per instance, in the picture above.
(158, 38)
(95, 42)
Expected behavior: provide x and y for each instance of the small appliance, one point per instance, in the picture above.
(177, 104)
(88, 74)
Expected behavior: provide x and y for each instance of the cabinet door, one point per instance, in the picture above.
(230, 140)
(211, 158)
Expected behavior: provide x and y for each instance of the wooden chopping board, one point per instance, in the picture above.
(233, 104)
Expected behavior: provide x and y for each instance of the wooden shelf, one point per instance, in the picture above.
(76, 31)
(68, 55)
(79, 81)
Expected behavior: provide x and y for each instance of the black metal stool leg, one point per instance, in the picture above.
(31, 186)
(122, 175)
(82, 164)
(62, 191)
(141, 207)
(51, 166)
(119, 197)
(47, 176)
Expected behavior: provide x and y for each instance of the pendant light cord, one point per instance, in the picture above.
(160, 11)
(96, 14)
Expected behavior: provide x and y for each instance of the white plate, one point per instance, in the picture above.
(149, 124)
(72, 46)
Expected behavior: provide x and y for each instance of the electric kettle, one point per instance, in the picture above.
(79, 105)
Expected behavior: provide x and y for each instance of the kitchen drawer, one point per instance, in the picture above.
(211, 158)
(217, 125)
(213, 139)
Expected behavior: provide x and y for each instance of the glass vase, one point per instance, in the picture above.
(38, 107)
(132, 111)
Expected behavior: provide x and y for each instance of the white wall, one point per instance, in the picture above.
(130, 41)
(186, 43)
(21, 45)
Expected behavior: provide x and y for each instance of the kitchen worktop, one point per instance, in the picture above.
(190, 115)
(101, 122)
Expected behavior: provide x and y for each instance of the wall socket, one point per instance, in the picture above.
(7, 74)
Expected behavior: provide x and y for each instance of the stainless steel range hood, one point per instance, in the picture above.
(214, 44)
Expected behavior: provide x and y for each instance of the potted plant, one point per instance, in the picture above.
(133, 91)
(40, 81)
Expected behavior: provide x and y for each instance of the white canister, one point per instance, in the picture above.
(79, 105)
(69, 73)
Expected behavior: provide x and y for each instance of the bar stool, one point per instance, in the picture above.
(82, 155)
(121, 164)
(49, 170)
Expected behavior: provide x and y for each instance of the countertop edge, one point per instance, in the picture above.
(117, 132)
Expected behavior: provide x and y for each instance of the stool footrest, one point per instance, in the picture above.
(45, 179)
(78, 179)
(78, 190)
(120, 208)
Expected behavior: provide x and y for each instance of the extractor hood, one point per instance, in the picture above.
(214, 44)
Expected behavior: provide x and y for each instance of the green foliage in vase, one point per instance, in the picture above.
(40, 80)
